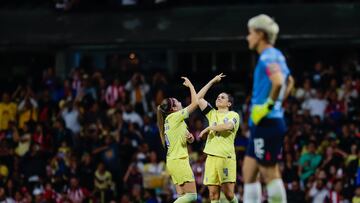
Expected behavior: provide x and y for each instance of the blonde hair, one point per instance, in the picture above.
(266, 24)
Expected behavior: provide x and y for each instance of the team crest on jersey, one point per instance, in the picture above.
(226, 120)
(234, 120)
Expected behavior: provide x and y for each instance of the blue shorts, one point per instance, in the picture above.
(266, 141)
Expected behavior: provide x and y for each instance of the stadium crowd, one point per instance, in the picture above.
(92, 137)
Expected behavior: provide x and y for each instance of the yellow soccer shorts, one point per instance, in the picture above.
(180, 170)
(219, 170)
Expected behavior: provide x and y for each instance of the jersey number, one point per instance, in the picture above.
(259, 147)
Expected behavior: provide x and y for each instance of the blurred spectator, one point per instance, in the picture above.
(24, 140)
(86, 171)
(131, 116)
(305, 92)
(317, 74)
(109, 153)
(294, 193)
(138, 89)
(61, 133)
(7, 111)
(309, 161)
(42, 138)
(336, 195)
(4, 198)
(46, 108)
(316, 105)
(75, 193)
(4, 173)
(136, 194)
(103, 183)
(114, 92)
(153, 172)
(318, 191)
(66, 91)
(335, 109)
(50, 195)
(150, 196)
(71, 115)
(33, 163)
(332, 159)
(347, 90)
(94, 115)
(346, 138)
(86, 92)
(27, 109)
(151, 132)
(290, 171)
(76, 77)
(133, 176)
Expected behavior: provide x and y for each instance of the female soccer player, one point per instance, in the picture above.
(272, 84)
(220, 166)
(174, 136)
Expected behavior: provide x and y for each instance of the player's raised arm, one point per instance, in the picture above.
(194, 99)
(201, 94)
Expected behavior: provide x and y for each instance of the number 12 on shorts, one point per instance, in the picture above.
(259, 147)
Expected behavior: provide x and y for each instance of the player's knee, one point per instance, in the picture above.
(229, 195)
(214, 195)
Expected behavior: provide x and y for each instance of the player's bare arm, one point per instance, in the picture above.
(290, 86)
(194, 99)
(218, 128)
(201, 94)
(276, 78)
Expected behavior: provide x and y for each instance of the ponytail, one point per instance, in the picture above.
(160, 122)
(163, 110)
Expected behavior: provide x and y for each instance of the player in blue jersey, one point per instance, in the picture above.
(272, 84)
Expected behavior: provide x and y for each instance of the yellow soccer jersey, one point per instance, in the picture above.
(175, 134)
(222, 143)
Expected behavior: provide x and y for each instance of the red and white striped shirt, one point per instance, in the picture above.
(113, 93)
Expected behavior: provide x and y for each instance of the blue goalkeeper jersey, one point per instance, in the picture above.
(271, 60)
